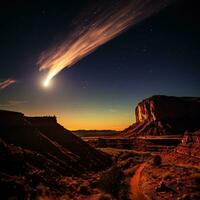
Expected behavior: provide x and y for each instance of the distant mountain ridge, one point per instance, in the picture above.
(95, 133)
(165, 115)
(44, 135)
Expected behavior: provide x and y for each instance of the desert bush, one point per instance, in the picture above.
(126, 163)
(184, 197)
(65, 197)
(196, 179)
(93, 184)
(126, 155)
(130, 171)
(12, 188)
(154, 176)
(124, 191)
(110, 180)
(105, 197)
(167, 176)
(195, 196)
(84, 189)
(157, 160)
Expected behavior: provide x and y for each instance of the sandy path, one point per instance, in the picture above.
(135, 180)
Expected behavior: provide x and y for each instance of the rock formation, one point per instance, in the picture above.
(37, 151)
(190, 144)
(163, 115)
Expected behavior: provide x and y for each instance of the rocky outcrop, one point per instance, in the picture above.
(190, 144)
(45, 136)
(159, 108)
(39, 150)
(139, 144)
(191, 139)
(163, 115)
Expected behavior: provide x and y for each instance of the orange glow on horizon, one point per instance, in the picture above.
(104, 123)
(94, 126)
(89, 119)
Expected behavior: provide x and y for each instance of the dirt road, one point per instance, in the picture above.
(135, 180)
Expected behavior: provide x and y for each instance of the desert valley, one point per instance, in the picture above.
(155, 158)
(99, 100)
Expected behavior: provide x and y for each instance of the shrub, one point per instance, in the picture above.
(105, 197)
(167, 176)
(157, 160)
(110, 180)
(195, 196)
(126, 155)
(130, 171)
(127, 163)
(124, 191)
(195, 182)
(93, 184)
(196, 179)
(83, 189)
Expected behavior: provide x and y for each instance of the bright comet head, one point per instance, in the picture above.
(46, 83)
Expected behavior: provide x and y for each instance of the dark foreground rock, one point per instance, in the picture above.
(36, 152)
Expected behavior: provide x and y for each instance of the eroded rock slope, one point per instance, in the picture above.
(165, 115)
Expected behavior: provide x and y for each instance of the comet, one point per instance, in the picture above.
(98, 25)
(46, 83)
(6, 83)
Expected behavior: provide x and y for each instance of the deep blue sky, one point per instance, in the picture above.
(161, 55)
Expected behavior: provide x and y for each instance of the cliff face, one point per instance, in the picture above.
(158, 108)
(163, 115)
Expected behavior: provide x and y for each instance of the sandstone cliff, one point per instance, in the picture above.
(163, 115)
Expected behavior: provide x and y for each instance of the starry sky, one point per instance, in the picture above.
(157, 56)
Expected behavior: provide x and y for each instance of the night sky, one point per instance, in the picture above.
(160, 55)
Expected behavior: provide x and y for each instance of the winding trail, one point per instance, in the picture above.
(135, 180)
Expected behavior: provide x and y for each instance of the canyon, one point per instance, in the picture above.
(40, 157)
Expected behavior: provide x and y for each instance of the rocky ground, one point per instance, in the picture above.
(36, 153)
(169, 180)
(42, 160)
